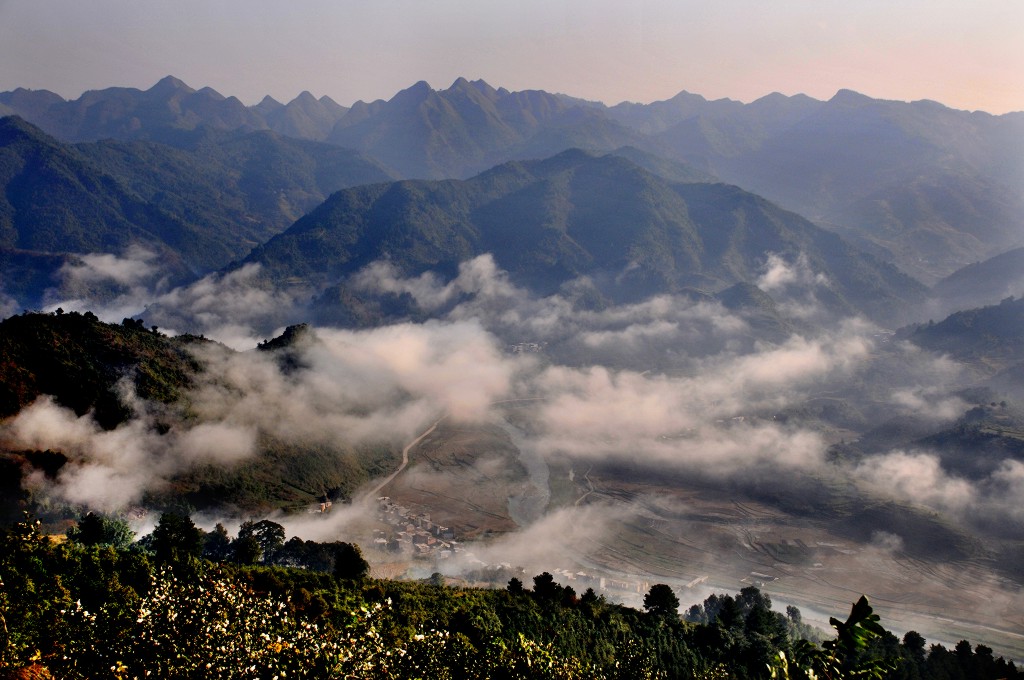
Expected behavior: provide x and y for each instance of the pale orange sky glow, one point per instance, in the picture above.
(965, 55)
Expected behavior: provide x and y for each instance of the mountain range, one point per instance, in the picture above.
(983, 283)
(203, 181)
(631, 233)
(199, 205)
(652, 302)
(926, 187)
(633, 223)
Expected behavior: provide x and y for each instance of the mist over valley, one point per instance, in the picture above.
(487, 334)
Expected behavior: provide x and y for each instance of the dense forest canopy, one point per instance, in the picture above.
(181, 602)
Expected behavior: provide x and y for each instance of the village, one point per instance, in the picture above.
(414, 534)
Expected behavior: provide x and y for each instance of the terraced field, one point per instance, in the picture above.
(701, 539)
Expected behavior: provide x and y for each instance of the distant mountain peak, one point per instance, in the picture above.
(480, 85)
(778, 97)
(24, 91)
(930, 104)
(210, 93)
(418, 90)
(683, 95)
(483, 85)
(473, 88)
(268, 104)
(170, 84)
(850, 98)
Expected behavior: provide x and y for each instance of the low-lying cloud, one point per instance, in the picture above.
(674, 383)
(234, 307)
(919, 478)
(349, 387)
(110, 470)
(111, 286)
(8, 305)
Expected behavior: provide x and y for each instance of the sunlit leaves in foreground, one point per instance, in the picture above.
(838, 658)
(212, 626)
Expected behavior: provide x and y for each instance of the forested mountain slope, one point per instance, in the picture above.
(197, 208)
(924, 186)
(631, 233)
(139, 386)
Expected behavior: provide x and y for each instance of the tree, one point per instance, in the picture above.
(348, 562)
(246, 551)
(545, 588)
(914, 644)
(707, 612)
(177, 539)
(306, 554)
(94, 529)
(751, 598)
(269, 535)
(217, 547)
(661, 601)
(841, 657)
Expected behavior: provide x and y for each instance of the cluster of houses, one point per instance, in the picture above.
(527, 347)
(413, 533)
(416, 535)
(499, 574)
(580, 581)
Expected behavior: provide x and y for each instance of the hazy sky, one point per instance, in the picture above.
(968, 54)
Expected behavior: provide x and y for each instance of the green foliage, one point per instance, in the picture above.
(548, 222)
(101, 530)
(217, 544)
(268, 535)
(660, 600)
(80, 362)
(79, 611)
(246, 550)
(841, 657)
(231, 632)
(348, 562)
(176, 539)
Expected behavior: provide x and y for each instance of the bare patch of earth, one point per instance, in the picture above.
(463, 476)
(820, 554)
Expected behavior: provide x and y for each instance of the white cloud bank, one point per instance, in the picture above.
(593, 398)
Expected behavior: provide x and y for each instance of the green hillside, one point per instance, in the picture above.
(198, 208)
(81, 362)
(547, 222)
(990, 337)
(78, 360)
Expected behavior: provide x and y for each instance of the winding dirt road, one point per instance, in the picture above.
(405, 456)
